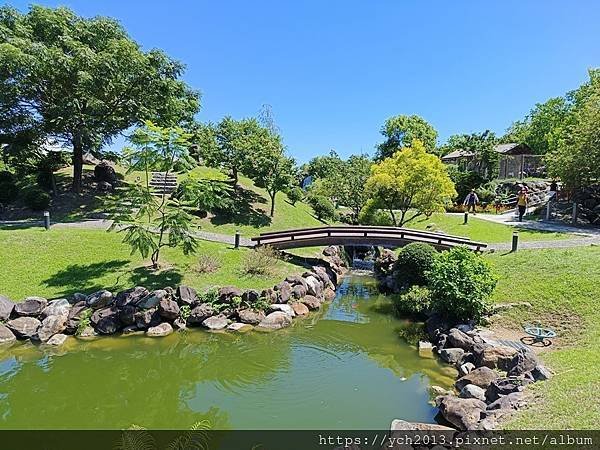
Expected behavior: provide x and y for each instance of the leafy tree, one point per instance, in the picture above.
(485, 160)
(401, 131)
(273, 171)
(321, 167)
(295, 195)
(83, 80)
(152, 222)
(204, 195)
(322, 206)
(410, 180)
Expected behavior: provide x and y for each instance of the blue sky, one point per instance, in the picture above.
(333, 71)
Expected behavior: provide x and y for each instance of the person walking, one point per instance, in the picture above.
(554, 190)
(471, 201)
(522, 199)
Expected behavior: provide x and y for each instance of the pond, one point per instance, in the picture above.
(342, 368)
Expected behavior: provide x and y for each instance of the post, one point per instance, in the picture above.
(466, 218)
(515, 241)
(574, 218)
(548, 209)
(47, 220)
(237, 240)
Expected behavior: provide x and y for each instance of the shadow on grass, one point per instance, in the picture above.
(83, 277)
(243, 211)
(151, 279)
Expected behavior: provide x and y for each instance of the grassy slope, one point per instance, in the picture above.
(562, 287)
(63, 261)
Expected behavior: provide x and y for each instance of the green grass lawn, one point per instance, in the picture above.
(562, 286)
(63, 261)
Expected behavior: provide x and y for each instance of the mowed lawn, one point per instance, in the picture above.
(63, 261)
(563, 288)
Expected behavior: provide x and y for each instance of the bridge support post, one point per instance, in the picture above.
(515, 241)
(466, 218)
(237, 240)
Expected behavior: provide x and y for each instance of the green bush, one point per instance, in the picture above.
(464, 181)
(413, 262)
(8, 191)
(322, 206)
(295, 195)
(371, 215)
(415, 302)
(36, 199)
(461, 283)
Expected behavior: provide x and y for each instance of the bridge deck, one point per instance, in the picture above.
(361, 235)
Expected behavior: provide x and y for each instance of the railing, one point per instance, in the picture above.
(361, 235)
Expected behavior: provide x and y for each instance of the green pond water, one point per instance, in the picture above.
(344, 367)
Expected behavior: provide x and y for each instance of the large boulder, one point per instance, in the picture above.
(227, 293)
(6, 336)
(541, 373)
(321, 272)
(482, 377)
(251, 296)
(315, 287)
(104, 171)
(284, 292)
(329, 294)
(312, 302)
(147, 318)
(153, 299)
(187, 295)
(458, 339)
(521, 362)
(169, 309)
(74, 317)
(58, 307)
(276, 320)
(216, 322)
(299, 291)
(472, 391)
(269, 294)
(131, 296)
(127, 315)
(451, 355)
(463, 413)
(30, 307)
(100, 299)
(511, 401)
(504, 386)
(24, 327)
(106, 320)
(251, 316)
(200, 313)
(283, 308)
(495, 357)
(6, 307)
(295, 280)
(164, 329)
(51, 325)
(299, 308)
(57, 340)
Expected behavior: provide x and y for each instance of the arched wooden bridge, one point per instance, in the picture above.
(361, 236)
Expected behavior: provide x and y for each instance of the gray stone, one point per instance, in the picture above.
(30, 307)
(152, 300)
(472, 391)
(6, 307)
(164, 329)
(276, 320)
(131, 329)
(495, 357)
(269, 294)
(312, 302)
(59, 307)
(251, 296)
(106, 320)
(75, 313)
(200, 313)
(541, 373)
(466, 368)
(87, 333)
(510, 401)
(451, 355)
(295, 280)
(237, 326)
(321, 272)
(482, 377)
(57, 340)
(51, 325)
(504, 386)
(299, 291)
(187, 295)
(100, 299)
(147, 318)
(299, 308)
(251, 316)
(329, 294)
(215, 323)
(284, 292)
(522, 361)
(179, 324)
(227, 293)
(169, 309)
(6, 336)
(403, 425)
(283, 308)
(463, 413)
(24, 327)
(458, 339)
(77, 298)
(127, 315)
(314, 286)
(131, 296)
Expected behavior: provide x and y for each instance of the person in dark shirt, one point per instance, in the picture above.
(471, 201)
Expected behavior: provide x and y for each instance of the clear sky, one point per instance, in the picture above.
(334, 70)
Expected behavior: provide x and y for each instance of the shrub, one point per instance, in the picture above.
(208, 264)
(413, 262)
(8, 191)
(322, 206)
(261, 261)
(36, 199)
(211, 295)
(371, 215)
(464, 181)
(84, 321)
(295, 195)
(415, 302)
(412, 333)
(184, 312)
(461, 283)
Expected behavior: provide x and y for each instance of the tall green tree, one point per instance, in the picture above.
(85, 80)
(400, 131)
(485, 159)
(323, 166)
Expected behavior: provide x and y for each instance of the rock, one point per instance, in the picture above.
(329, 294)
(441, 341)
(104, 171)
(463, 413)
(130, 330)
(152, 300)
(332, 250)
(99, 299)
(74, 316)
(510, 401)
(104, 186)
(299, 308)
(131, 296)
(106, 320)
(57, 340)
(164, 329)
(504, 386)
(425, 349)
(464, 327)
(24, 327)
(541, 373)
(314, 286)
(521, 362)
(216, 323)
(295, 280)
(127, 315)
(435, 325)
(458, 339)
(251, 316)
(59, 307)
(237, 326)
(227, 293)
(451, 355)
(491, 419)
(77, 298)
(497, 356)
(269, 294)
(482, 377)
(179, 324)
(51, 325)
(6, 336)
(200, 313)
(283, 308)
(284, 292)
(299, 291)
(30, 307)
(87, 332)
(466, 368)
(403, 425)
(472, 391)
(147, 318)
(6, 307)
(187, 295)
(312, 302)
(250, 296)
(438, 390)
(169, 309)
(276, 320)
(321, 273)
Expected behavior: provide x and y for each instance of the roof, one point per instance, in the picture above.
(460, 153)
(504, 149)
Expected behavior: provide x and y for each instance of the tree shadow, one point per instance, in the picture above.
(82, 277)
(151, 279)
(243, 210)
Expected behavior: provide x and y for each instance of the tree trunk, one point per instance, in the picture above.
(77, 162)
(273, 203)
(393, 217)
(234, 176)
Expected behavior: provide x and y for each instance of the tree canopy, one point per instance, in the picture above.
(401, 131)
(83, 81)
